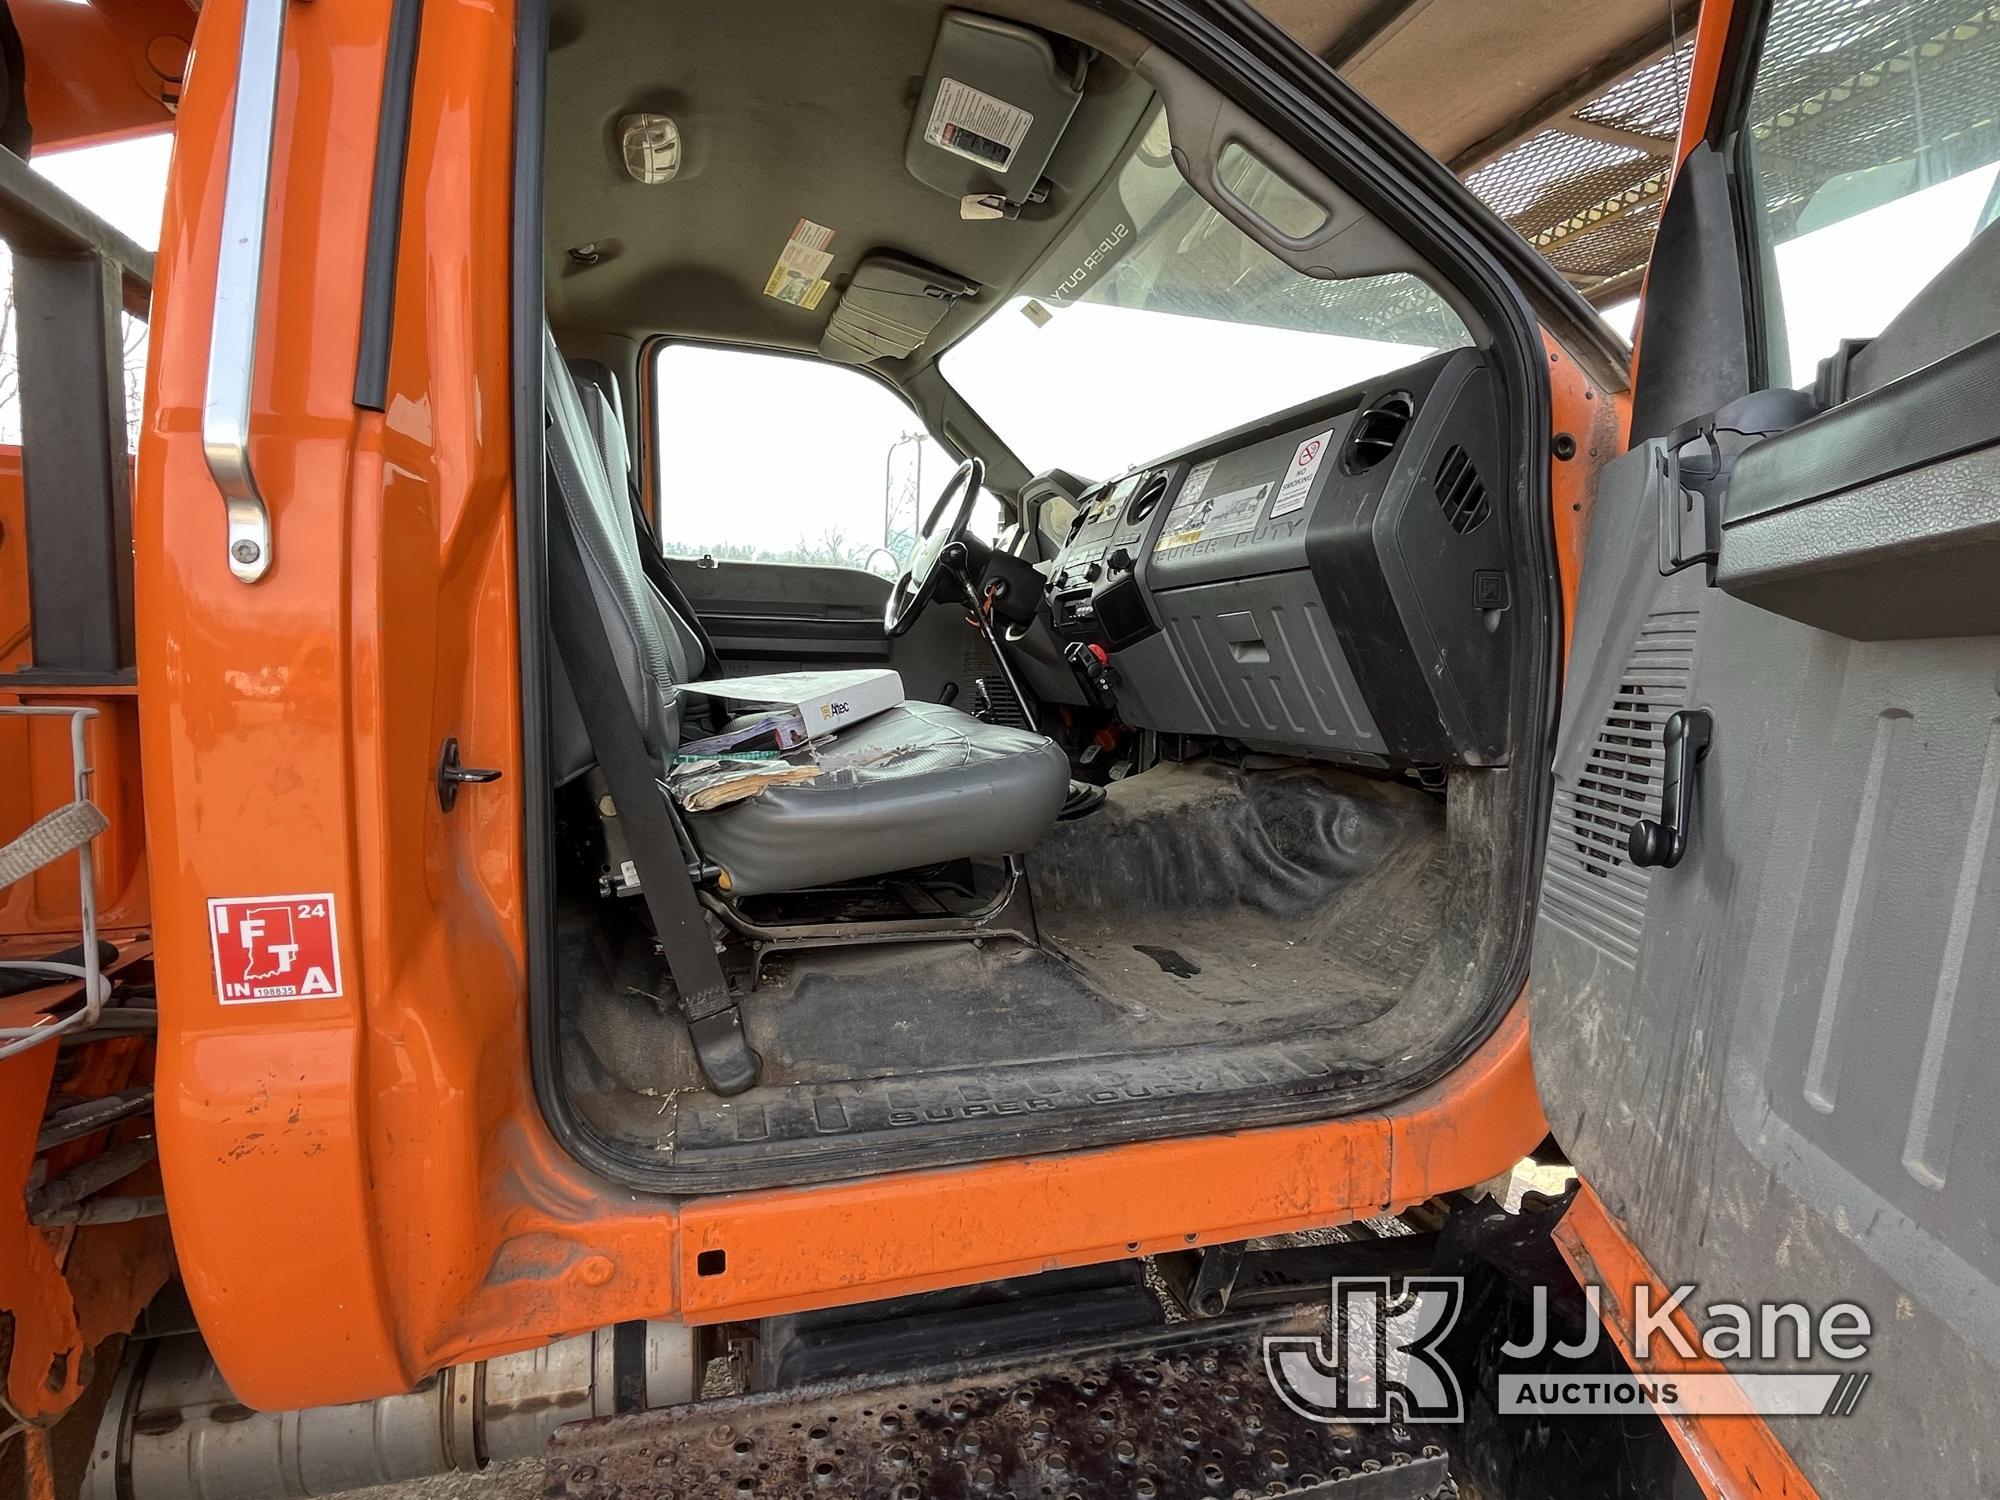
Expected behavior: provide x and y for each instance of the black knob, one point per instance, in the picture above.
(1121, 560)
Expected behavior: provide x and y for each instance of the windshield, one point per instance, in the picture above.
(1155, 322)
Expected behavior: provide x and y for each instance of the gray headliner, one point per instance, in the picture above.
(809, 121)
(776, 130)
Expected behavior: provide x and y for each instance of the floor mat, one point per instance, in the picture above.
(1208, 932)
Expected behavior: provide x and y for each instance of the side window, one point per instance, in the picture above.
(1871, 143)
(772, 458)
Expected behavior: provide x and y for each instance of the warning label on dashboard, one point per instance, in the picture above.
(274, 948)
(1200, 516)
(1299, 477)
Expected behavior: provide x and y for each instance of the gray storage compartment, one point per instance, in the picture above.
(1266, 667)
(1336, 582)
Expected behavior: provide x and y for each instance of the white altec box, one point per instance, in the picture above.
(825, 701)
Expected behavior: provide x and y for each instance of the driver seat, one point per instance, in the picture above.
(918, 785)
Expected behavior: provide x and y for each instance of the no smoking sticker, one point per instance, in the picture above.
(1299, 477)
(274, 948)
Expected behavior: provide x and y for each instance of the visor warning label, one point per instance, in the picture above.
(274, 948)
(971, 123)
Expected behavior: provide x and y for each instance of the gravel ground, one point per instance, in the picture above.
(518, 1479)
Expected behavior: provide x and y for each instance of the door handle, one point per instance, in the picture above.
(1685, 745)
(239, 275)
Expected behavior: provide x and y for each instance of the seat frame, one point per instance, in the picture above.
(1010, 914)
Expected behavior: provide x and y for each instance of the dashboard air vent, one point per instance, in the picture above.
(1147, 500)
(1376, 432)
(1461, 493)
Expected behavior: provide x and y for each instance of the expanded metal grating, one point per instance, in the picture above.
(1847, 87)
(1647, 103)
(1555, 174)
(1904, 86)
(1586, 191)
(1188, 1414)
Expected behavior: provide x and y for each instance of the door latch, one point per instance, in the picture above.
(451, 775)
(1685, 745)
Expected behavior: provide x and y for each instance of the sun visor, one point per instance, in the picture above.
(994, 103)
(890, 306)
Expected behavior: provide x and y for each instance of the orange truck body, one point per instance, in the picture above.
(369, 1177)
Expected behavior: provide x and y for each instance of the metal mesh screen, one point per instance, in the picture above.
(1907, 86)
(1586, 191)
(1648, 103)
(1843, 86)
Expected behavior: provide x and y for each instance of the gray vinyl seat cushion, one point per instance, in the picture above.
(918, 785)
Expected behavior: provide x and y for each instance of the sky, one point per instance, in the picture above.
(781, 452)
(1098, 389)
(124, 182)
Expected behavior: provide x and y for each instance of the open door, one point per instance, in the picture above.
(1771, 1059)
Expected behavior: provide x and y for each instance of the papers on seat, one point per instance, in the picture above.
(781, 729)
(823, 701)
(795, 708)
(704, 785)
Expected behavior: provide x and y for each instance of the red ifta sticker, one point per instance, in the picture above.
(274, 948)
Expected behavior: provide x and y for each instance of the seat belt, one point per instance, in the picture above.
(714, 1023)
(653, 559)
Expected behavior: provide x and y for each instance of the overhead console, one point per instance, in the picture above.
(1332, 581)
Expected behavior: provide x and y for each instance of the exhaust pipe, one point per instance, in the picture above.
(174, 1431)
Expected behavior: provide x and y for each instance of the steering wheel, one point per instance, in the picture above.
(945, 524)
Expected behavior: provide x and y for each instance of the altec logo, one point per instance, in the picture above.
(274, 948)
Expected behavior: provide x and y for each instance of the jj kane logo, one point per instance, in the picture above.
(1380, 1359)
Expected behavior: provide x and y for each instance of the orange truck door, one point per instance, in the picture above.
(1764, 1018)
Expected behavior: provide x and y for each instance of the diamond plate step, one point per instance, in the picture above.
(1188, 1413)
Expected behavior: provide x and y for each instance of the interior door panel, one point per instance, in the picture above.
(776, 617)
(1771, 1061)
(784, 611)
(1880, 520)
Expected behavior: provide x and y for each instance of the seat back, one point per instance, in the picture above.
(597, 389)
(650, 656)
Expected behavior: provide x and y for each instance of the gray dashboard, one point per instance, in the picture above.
(1332, 581)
